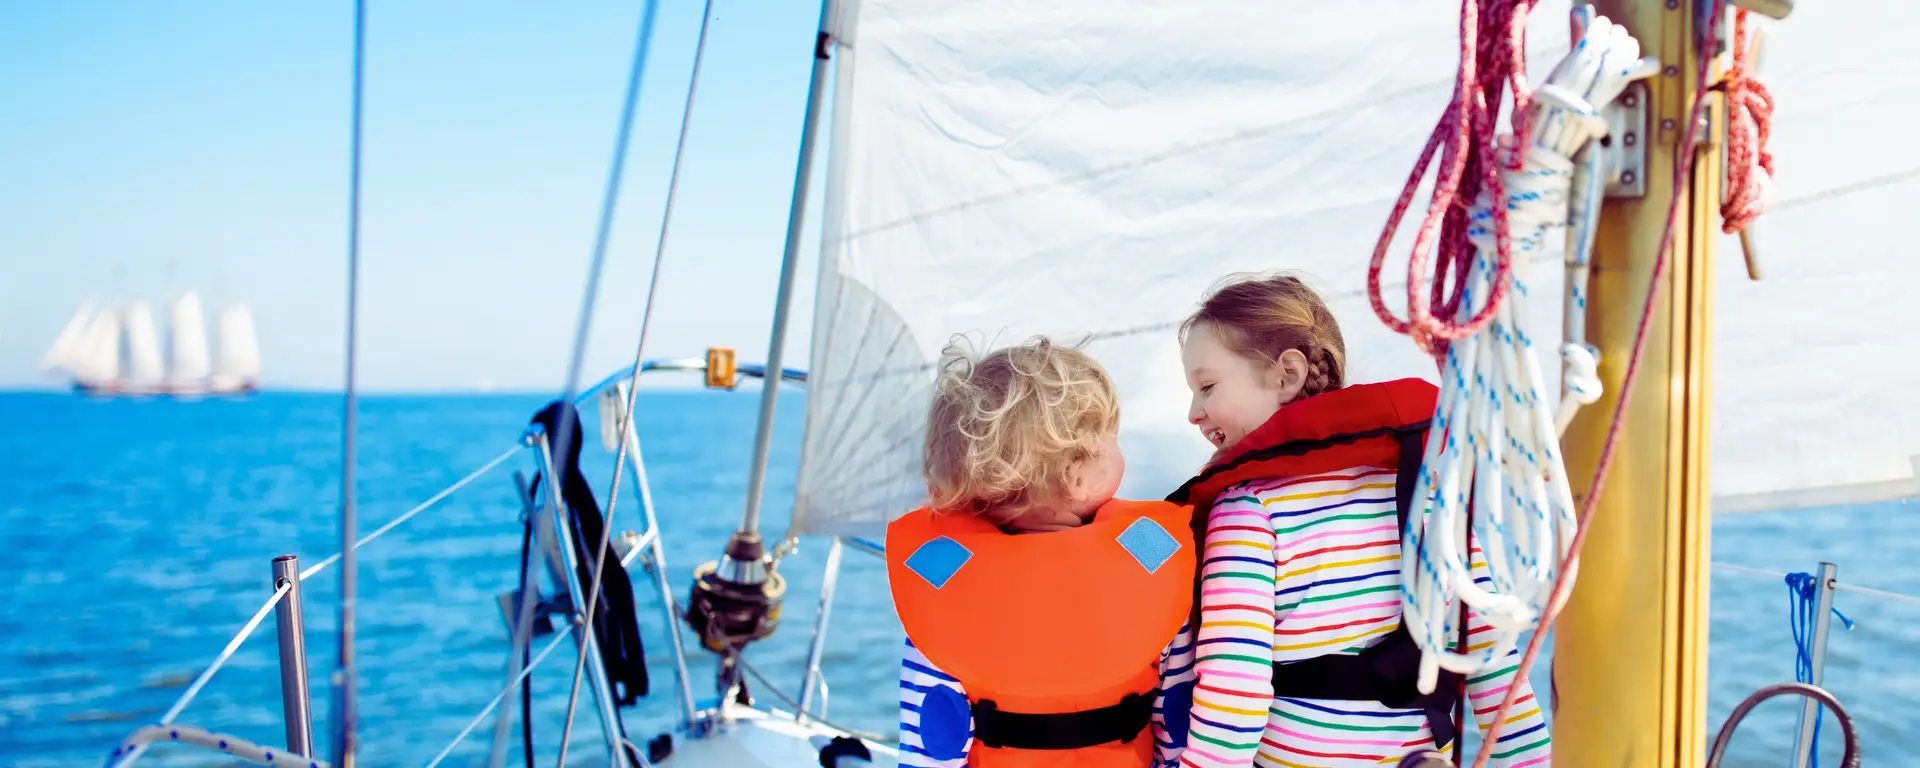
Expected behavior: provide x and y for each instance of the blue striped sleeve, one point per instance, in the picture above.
(936, 723)
(1175, 697)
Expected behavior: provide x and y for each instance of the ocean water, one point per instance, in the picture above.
(135, 538)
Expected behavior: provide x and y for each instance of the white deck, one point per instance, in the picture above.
(754, 738)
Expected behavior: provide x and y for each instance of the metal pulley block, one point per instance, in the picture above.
(736, 599)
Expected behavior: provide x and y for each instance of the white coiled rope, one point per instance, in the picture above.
(1495, 434)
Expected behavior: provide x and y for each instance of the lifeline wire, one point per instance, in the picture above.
(603, 232)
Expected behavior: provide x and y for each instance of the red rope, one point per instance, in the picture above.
(1563, 585)
(1470, 162)
(1749, 123)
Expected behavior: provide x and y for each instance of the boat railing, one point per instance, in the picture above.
(1812, 596)
(287, 578)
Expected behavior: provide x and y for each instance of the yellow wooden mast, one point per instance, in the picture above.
(1630, 650)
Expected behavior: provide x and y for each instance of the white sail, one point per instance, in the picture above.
(66, 345)
(188, 334)
(1009, 168)
(1816, 376)
(143, 344)
(239, 347)
(97, 360)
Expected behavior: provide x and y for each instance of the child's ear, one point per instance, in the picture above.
(1079, 488)
(1289, 375)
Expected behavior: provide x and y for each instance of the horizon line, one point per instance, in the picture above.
(376, 392)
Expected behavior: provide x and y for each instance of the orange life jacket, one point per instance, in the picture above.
(1055, 637)
(1365, 425)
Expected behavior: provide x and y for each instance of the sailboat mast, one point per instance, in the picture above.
(1630, 653)
(735, 600)
(783, 301)
(344, 715)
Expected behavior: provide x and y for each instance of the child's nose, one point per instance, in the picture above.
(1195, 413)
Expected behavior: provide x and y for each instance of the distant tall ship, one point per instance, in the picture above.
(115, 351)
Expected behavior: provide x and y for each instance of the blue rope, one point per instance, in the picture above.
(1802, 589)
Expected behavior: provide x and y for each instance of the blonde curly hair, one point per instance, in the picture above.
(1005, 429)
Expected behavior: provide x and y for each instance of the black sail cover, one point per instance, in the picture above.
(614, 626)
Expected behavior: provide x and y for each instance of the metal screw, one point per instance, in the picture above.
(1670, 70)
(1667, 124)
(1672, 4)
(1629, 100)
(1631, 139)
(1626, 177)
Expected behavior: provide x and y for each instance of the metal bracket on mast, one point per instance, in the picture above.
(1626, 143)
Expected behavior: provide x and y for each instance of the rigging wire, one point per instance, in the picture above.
(609, 204)
(512, 685)
(344, 716)
(633, 389)
(768, 686)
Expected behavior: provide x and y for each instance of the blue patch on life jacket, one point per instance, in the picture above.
(938, 560)
(1149, 543)
(946, 724)
(1175, 711)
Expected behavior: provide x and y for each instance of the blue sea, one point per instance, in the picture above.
(135, 538)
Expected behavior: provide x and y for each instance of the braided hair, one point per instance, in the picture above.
(1263, 317)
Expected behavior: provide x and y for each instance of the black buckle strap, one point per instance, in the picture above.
(1372, 676)
(1120, 722)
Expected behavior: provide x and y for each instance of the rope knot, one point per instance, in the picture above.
(1749, 124)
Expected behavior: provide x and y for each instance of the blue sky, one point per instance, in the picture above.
(149, 148)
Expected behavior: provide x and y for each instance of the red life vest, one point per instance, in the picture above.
(1365, 425)
(1055, 637)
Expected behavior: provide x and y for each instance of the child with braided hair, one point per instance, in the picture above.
(1301, 656)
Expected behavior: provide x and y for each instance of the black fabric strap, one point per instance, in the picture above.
(1120, 722)
(1413, 447)
(1386, 673)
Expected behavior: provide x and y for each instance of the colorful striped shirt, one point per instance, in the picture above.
(936, 728)
(1299, 567)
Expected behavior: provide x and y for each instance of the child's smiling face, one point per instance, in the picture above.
(1233, 394)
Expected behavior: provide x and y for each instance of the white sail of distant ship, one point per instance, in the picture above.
(98, 359)
(189, 341)
(239, 362)
(143, 345)
(66, 347)
(116, 351)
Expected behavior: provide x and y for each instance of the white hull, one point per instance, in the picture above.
(134, 389)
(753, 739)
